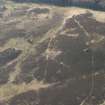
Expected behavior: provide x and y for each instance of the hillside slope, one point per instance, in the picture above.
(51, 55)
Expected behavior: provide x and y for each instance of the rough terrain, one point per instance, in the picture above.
(51, 55)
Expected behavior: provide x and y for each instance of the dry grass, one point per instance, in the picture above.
(7, 91)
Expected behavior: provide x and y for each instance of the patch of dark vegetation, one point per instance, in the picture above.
(6, 64)
(27, 98)
(69, 92)
(10, 31)
(91, 24)
(4, 73)
(8, 55)
(39, 10)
